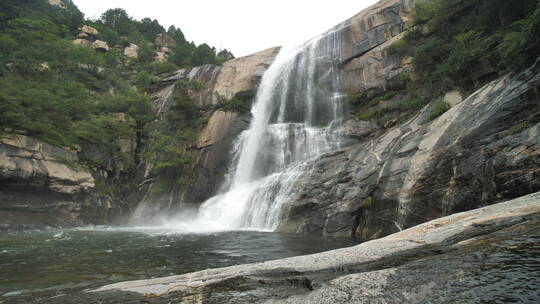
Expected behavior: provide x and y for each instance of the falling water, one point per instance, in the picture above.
(297, 111)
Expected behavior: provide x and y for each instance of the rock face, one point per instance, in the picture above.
(363, 40)
(164, 40)
(431, 263)
(88, 31)
(58, 3)
(42, 184)
(100, 46)
(82, 42)
(483, 150)
(216, 139)
(233, 76)
(131, 51)
(160, 57)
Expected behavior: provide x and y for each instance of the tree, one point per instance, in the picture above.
(225, 55)
(204, 54)
(176, 34)
(182, 55)
(150, 28)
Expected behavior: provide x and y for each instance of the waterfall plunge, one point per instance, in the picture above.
(297, 111)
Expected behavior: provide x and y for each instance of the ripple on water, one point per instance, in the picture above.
(61, 260)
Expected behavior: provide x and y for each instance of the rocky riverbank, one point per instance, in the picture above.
(441, 261)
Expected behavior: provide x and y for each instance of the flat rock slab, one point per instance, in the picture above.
(320, 278)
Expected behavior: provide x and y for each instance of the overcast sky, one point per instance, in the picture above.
(242, 26)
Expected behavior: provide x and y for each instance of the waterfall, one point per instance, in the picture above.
(296, 115)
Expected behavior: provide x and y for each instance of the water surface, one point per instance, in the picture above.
(70, 260)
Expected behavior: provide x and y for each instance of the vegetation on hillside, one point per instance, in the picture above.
(456, 44)
(70, 95)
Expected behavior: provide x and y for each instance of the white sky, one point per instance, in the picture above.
(241, 26)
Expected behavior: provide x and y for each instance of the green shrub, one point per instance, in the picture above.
(398, 47)
(439, 108)
(142, 79)
(520, 127)
(240, 102)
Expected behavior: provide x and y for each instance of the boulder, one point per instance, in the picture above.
(453, 98)
(58, 3)
(83, 35)
(38, 178)
(100, 46)
(164, 40)
(160, 57)
(82, 42)
(479, 152)
(448, 260)
(131, 51)
(88, 30)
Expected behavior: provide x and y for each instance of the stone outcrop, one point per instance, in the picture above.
(233, 76)
(420, 264)
(87, 37)
(160, 57)
(100, 46)
(58, 3)
(214, 148)
(41, 182)
(88, 31)
(215, 142)
(164, 40)
(131, 51)
(483, 150)
(82, 42)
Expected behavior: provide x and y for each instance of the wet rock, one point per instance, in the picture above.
(429, 262)
(471, 156)
(41, 184)
(359, 129)
(215, 142)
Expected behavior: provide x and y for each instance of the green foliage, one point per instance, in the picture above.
(142, 79)
(439, 108)
(367, 202)
(176, 34)
(157, 68)
(69, 95)
(150, 28)
(172, 136)
(182, 54)
(103, 188)
(520, 127)
(240, 102)
(456, 43)
(398, 47)
(204, 54)
(225, 55)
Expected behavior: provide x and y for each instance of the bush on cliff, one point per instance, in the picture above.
(456, 44)
(66, 94)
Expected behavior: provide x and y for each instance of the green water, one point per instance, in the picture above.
(63, 261)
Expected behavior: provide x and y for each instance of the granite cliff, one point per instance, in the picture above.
(388, 178)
